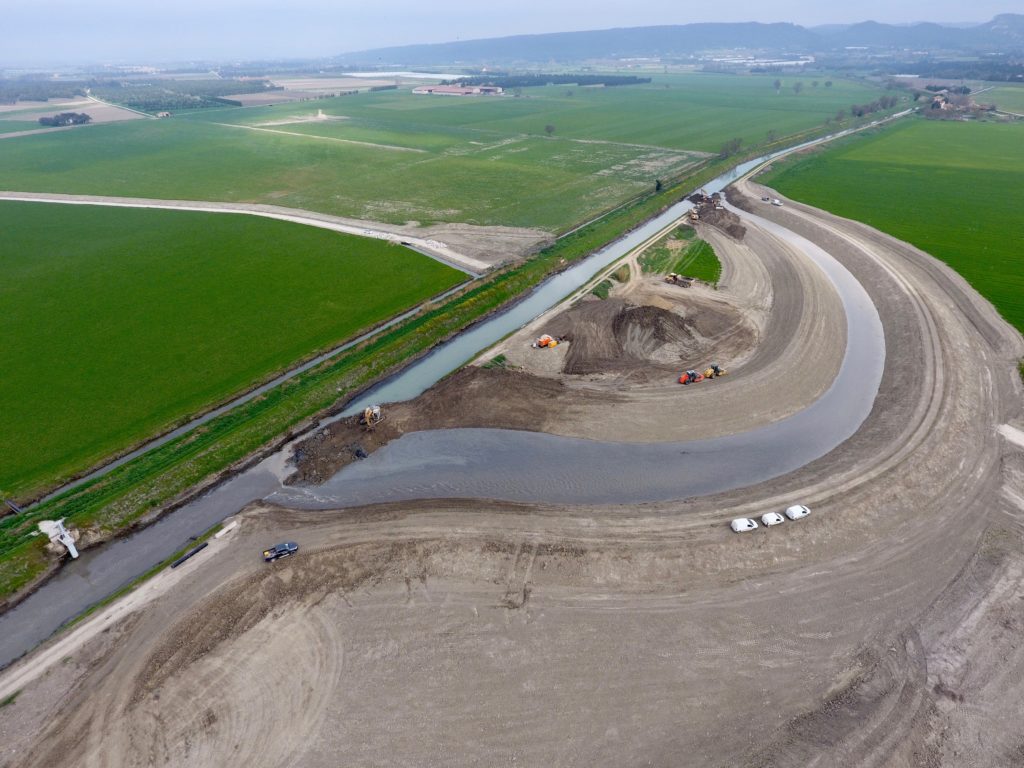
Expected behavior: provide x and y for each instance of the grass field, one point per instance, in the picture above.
(1009, 98)
(478, 160)
(12, 126)
(952, 189)
(119, 322)
(681, 253)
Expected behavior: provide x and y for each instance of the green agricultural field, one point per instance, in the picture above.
(1008, 98)
(117, 323)
(681, 253)
(11, 126)
(686, 112)
(952, 189)
(396, 157)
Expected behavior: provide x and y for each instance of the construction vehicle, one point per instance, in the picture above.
(680, 280)
(372, 416)
(711, 372)
(545, 342)
(714, 370)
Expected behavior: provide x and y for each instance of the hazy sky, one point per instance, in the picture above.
(43, 31)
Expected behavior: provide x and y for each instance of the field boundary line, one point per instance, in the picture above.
(391, 147)
(121, 106)
(433, 249)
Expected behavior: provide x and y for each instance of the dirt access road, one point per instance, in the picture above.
(884, 630)
(470, 248)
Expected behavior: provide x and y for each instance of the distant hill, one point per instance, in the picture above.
(1003, 33)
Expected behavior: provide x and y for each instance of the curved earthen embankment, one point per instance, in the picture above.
(883, 630)
(775, 321)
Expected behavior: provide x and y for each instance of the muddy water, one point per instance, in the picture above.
(497, 463)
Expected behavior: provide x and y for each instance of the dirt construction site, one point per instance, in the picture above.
(885, 629)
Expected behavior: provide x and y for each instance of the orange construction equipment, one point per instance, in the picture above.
(711, 372)
(546, 342)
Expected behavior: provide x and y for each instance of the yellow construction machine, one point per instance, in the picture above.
(714, 370)
(372, 416)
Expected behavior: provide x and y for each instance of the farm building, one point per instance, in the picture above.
(458, 90)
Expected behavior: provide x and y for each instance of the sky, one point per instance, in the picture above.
(149, 31)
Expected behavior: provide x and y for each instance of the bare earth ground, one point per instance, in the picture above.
(304, 89)
(100, 113)
(884, 630)
(54, 105)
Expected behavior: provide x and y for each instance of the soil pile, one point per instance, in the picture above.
(727, 221)
(613, 336)
(471, 397)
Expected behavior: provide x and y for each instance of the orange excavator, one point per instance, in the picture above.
(546, 342)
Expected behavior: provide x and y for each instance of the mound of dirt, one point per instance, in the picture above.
(471, 397)
(613, 336)
(727, 221)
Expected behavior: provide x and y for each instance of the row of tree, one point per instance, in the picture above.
(65, 118)
(15, 90)
(166, 95)
(961, 89)
(528, 81)
(859, 110)
(798, 86)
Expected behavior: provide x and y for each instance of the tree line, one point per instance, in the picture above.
(12, 91)
(175, 95)
(528, 81)
(859, 110)
(65, 118)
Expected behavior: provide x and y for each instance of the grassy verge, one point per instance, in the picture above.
(8, 700)
(660, 258)
(700, 261)
(498, 361)
(602, 289)
(679, 252)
